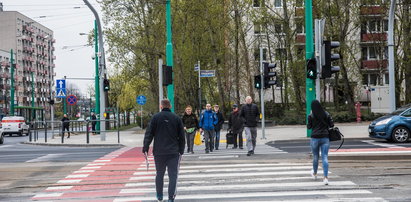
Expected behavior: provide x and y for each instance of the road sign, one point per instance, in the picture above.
(61, 92)
(71, 99)
(61, 83)
(196, 67)
(141, 100)
(207, 73)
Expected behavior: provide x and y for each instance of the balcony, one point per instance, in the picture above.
(300, 38)
(374, 10)
(374, 64)
(373, 37)
(5, 64)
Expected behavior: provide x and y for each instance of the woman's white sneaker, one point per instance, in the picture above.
(314, 176)
(325, 181)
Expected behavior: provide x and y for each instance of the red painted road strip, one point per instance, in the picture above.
(105, 181)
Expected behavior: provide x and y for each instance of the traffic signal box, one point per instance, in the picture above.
(327, 68)
(269, 74)
(167, 75)
(106, 85)
(311, 68)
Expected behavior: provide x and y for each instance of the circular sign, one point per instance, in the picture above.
(71, 99)
(141, 100)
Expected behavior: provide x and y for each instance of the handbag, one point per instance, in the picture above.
(334, 134)
(197, 138)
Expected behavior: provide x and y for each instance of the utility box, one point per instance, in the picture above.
(380, 99)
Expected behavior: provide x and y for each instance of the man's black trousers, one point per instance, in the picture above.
(171, 162)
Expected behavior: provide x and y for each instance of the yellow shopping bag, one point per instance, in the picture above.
(197, 138)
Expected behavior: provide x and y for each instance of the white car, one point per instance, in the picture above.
(14, 125)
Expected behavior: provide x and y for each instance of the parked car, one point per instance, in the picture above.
(14, 125)
(393, 127)
(1, 136)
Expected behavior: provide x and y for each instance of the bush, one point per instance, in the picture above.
(290, 118)
(343, 117)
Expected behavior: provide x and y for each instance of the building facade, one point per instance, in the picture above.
(33, 47)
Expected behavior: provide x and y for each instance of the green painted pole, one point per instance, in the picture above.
(169, 53)
(64, 105)
(309, 53)
(33, 113)
(12, 83)
(96, 78)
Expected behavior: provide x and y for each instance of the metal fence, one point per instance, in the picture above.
(75, 126)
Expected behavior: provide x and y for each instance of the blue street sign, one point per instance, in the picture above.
(196, 67)
(141, 100)
(207, 73)
(61, 92)
(61, 83)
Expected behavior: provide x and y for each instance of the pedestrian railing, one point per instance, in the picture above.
(75, 125)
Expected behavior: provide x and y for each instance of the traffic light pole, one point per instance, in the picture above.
(391, 71)
(262, 94)
(169, 53)
(319, 27)
(309, 50)
(12, 83)
(96, 78)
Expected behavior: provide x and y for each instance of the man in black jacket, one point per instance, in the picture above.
(167, 130)
(66, 125)
(250, 114)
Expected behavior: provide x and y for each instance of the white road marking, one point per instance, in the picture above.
(46, 195)
(59, 188)
(253, 194)
(45, 158)
(381, 144)
(102, 160)
(90, 167)
(83, 171)
(68, 181)
(77, 176)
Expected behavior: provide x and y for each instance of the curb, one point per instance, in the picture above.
(73, 145)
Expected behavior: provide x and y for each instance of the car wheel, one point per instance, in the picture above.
(400, 134)
(20, 133)
(1, 139)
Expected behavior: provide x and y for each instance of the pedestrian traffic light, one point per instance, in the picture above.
(257, 81)
(269, 74)
(311, 69)
(328, 69)
(50, 101)
(167, 75)
(106, 85)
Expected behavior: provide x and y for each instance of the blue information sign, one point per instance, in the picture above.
(61, 88)
(141, 99)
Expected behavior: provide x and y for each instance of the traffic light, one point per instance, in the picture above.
(269, 73)
(257, 81)
(50, 101)
(106, 85)
(328, 69)
(312, 69)
(167, 75)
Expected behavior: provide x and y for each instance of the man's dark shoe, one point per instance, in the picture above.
(252, 152)
(216, 148)
(241, 148)
(192, 152)
(234, 148)
(249, 153)
(207, 152)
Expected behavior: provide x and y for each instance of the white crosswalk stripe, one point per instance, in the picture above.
(239, 180)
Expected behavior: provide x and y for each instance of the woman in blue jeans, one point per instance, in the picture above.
(319, 121)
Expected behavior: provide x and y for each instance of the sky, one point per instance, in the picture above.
(67, 18)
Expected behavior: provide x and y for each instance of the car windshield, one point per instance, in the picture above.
(399, 111)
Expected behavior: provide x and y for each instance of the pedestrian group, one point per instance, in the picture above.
(171, 133)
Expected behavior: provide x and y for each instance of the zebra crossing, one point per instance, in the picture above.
(238, 180)
(123, 175)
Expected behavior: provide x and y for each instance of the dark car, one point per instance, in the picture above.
(393, 127)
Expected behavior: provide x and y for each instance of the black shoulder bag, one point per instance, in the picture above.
(334, 134)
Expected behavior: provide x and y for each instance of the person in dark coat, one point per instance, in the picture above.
(93, 123)
(236, 125)
(190, 123)
(219, 125)
(250, 114)
(319, 121)
(167, 130)
(66, 125)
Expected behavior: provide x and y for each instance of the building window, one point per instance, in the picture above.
(259, 3)
(299, 3)
(365, 79)
(278, 28)
(372, 53)
(373, 79)
(278, 3)
(257, 28)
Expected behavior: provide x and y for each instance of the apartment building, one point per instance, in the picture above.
(33, 47)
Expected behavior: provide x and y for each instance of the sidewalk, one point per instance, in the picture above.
(134, 137)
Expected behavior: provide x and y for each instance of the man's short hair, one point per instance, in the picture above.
(165, 103)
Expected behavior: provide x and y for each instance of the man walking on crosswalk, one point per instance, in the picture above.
(250, 114)
(167, 130)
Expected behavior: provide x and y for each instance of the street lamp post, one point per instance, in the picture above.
(169, 52)
(102, 68)
(12, 83)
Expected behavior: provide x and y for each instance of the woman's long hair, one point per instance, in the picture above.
(318, 110)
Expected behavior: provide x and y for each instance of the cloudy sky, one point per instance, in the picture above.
(67, 18)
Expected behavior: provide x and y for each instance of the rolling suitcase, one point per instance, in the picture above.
(229, 138)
